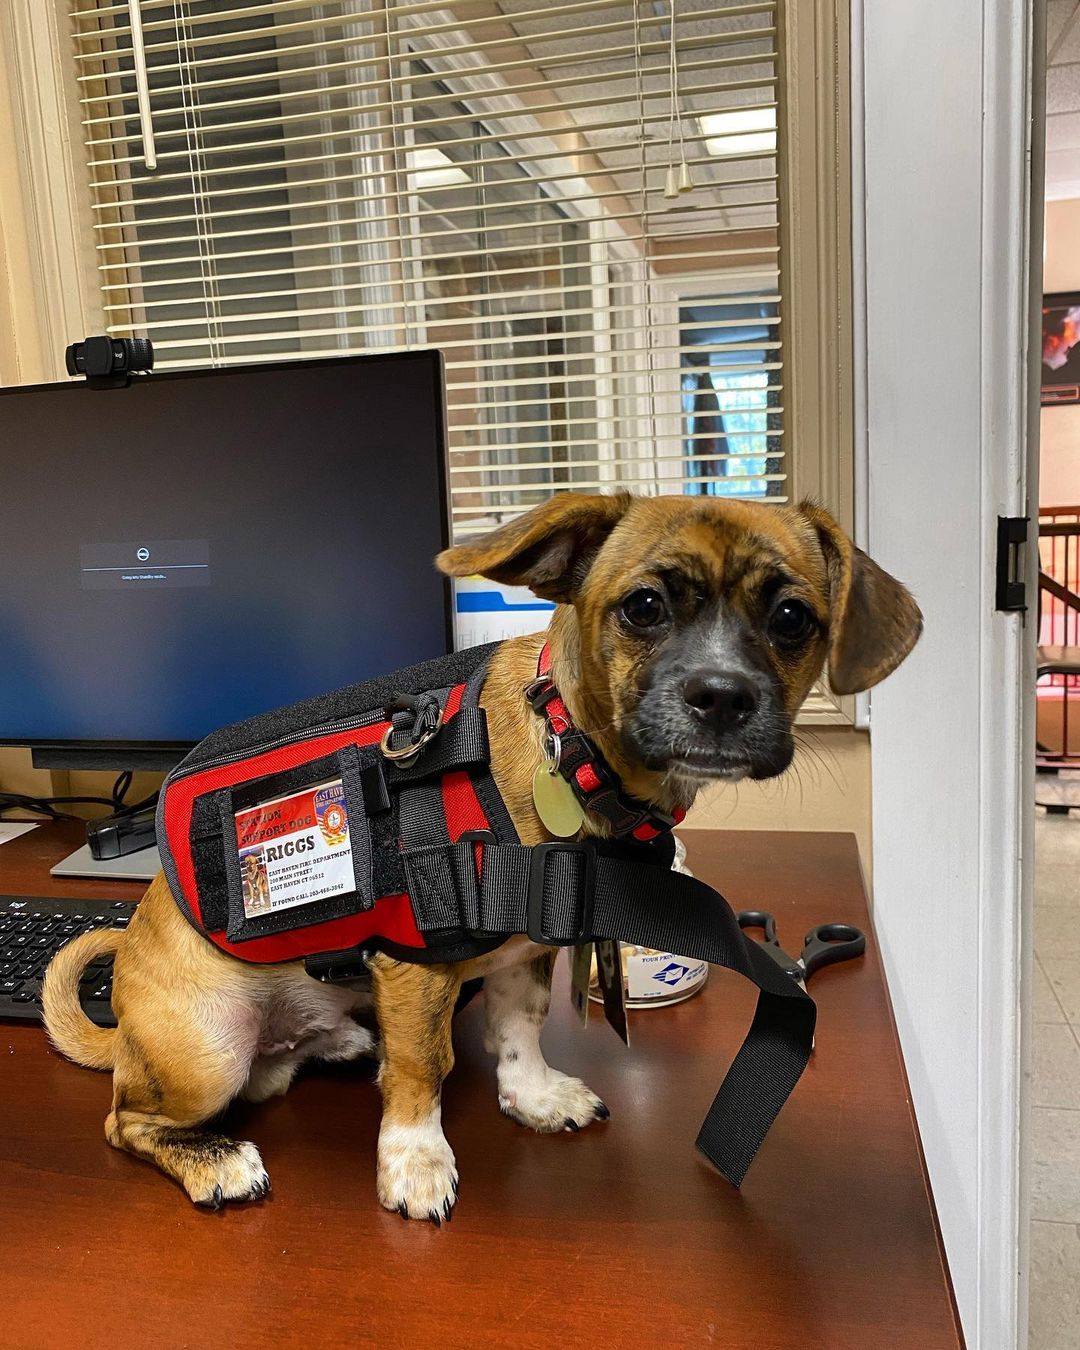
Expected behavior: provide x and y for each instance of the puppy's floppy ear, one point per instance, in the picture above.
(549, 549)
(873, 620)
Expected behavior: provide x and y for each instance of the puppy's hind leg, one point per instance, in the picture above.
(161, 1101)
(517, 1000)
(417, 1173)
(272, 1073)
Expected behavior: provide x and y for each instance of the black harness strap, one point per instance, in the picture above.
(562, 894)
(462, 743)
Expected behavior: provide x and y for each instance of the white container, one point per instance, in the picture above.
(655, 979)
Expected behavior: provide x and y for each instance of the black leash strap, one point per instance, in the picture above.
(562, 894)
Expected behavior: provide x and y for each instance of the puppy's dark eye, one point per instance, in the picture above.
(792, 621)
(644, 608)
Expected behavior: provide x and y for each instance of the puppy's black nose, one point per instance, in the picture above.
(721, 699)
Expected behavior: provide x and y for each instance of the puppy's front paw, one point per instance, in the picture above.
(417, 1174)
(555, 1102)
(226, 1171)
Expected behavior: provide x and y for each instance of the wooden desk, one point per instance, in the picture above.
(619, 1236)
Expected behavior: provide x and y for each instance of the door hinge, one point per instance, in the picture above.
(1011, 591)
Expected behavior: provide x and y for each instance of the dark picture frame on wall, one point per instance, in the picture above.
(1060, 381)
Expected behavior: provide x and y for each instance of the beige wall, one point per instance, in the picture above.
(1061, 257)
(828, 788)
(1059, 453)
(17, 775)
(1059, 456)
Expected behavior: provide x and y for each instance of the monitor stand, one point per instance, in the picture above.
(141, 866)
(145, 863)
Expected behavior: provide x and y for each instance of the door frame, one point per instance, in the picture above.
(952, 203)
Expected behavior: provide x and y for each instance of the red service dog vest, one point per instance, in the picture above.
(292, 835)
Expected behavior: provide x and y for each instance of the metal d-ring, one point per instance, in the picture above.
(405, 754)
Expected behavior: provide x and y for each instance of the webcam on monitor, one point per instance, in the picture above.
(108, 362)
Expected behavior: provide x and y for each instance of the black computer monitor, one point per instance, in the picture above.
(201, 546)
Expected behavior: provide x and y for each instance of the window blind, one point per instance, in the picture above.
(576, 202)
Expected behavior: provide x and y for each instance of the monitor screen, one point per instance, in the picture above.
(203, 546)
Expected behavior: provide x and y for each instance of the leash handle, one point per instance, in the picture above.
(759, 918)
(831, 942)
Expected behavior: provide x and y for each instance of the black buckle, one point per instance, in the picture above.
(476, 837)
(539, 693)
(351, 963)
(534, 908)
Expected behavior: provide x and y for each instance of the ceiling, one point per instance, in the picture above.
(726, 194)
(1063, 99)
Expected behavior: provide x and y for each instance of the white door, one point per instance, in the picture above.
(945, 106)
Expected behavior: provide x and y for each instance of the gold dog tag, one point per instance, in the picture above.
(556, 804)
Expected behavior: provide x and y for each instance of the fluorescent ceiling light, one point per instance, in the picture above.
(740, 131)
(430, 167)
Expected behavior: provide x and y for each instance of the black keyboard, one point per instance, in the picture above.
(32, 931)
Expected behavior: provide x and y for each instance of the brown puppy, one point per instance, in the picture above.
(687, 634)
(256, 885)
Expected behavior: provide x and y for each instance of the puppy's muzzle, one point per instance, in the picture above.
(712, 722)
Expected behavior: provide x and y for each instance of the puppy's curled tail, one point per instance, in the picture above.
(69, 1028)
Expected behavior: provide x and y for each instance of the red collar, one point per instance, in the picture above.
(585, 769)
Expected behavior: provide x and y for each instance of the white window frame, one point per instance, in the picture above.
(54, 180)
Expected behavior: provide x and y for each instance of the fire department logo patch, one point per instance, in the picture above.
(331, 814)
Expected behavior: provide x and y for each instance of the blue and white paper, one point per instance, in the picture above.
(485, 611)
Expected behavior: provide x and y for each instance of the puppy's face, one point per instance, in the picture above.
(698, 626)
(707, 627)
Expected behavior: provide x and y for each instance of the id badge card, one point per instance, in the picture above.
(295, 850)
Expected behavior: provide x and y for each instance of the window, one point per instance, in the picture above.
(731, 400)
(512, 184)
(504, 181)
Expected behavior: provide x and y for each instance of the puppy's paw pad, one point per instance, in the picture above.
(557, 1103)
(227, 1171)
(419, 1180)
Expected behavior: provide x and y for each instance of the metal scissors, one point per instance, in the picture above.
(825, 944)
